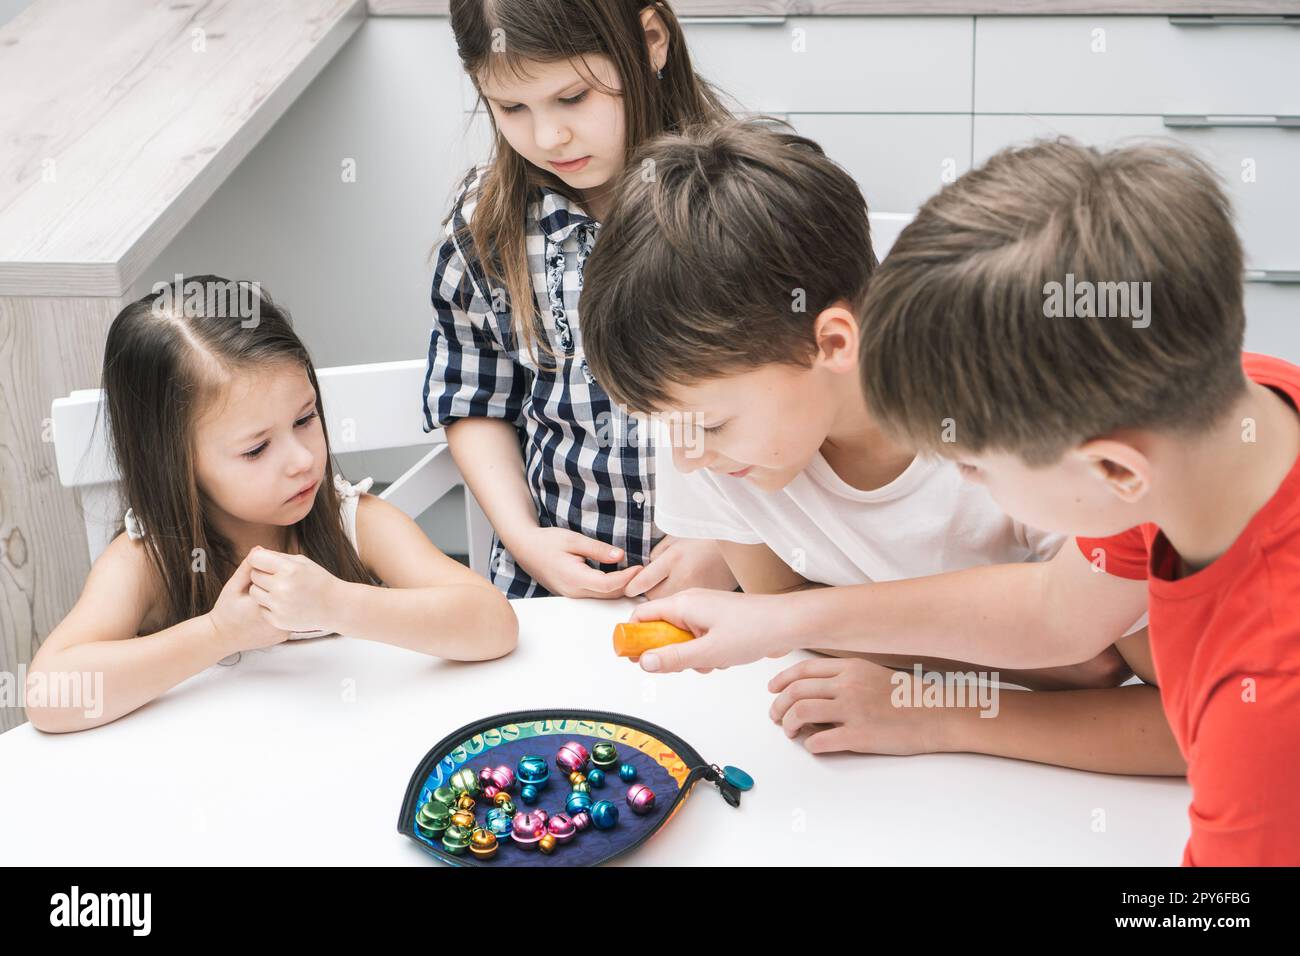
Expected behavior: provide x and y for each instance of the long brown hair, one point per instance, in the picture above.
(158, 378)
(547, 31)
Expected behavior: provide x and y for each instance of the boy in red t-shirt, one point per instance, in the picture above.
(1066, 324)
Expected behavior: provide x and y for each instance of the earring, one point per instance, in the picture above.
(660, 73)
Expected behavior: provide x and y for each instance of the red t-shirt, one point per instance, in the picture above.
(1225, 642)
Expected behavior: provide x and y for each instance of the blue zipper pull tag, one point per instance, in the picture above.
(738, 778)
(728, 785)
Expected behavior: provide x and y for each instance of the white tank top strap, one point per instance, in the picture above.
(134, 529)
(349, 496)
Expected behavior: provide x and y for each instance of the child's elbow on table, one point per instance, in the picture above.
(493, 629)
(50, 719)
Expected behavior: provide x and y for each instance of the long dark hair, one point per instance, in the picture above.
(158, 365)
(548, 31)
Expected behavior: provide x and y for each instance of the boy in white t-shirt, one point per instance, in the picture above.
(722, 298)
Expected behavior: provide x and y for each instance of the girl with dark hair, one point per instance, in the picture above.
(235, 537)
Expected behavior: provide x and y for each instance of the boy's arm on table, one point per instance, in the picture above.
(96, 647)
(760, 571)
(1010, 616)
(1107, 730)
(431, 603)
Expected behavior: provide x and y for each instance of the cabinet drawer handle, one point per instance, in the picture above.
(1228, 20)
(1203, 122)
(1278, 276)
(754, 21)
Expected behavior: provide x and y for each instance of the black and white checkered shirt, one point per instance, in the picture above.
(588, 468)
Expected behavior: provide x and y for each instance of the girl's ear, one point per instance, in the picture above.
(1125, 470)
(656, 37)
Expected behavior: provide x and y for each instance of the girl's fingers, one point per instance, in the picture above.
(604, 584)
(809, 712)
(266, 560)
(260, 595)
(585, 547)
(801, 690)
(818, 667)
(242, 577)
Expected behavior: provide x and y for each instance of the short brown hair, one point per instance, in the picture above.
(963, 349)
(723, 243)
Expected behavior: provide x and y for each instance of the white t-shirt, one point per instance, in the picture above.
(926, 521)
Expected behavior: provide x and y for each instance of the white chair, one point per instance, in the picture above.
(367, 408)
(885, 227)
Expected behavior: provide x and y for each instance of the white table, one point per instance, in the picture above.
(300, 754)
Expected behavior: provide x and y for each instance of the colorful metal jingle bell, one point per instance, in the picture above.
(605, 756)
(572, 757)
(432, 820)
(605, 815)
(577, 802)
(533, 774)
(595, 778)
(527, 830)
(640, 798)
(502, 778)
(456, 839)
(500, 822)
(464, 779)
(483, 843)
(626, 772)
(562, 828)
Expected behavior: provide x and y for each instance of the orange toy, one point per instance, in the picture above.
(633, 640)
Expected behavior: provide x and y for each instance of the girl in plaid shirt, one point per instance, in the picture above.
(572, 87)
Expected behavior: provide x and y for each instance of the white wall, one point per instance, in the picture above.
(350, 260)
(11, 8)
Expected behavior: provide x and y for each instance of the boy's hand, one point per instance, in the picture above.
(556, 558)
(240, 623)
(847, 703)
(296, 592)
(729, 629)
(680, 563)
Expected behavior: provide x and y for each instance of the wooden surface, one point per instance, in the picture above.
(115, 128)
(48, 346)
(733, 8)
